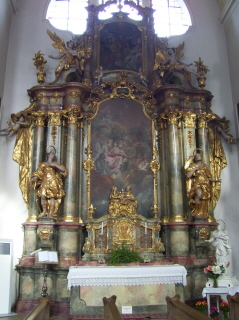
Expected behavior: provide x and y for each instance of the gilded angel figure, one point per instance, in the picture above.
(72, 55)
(168, 59)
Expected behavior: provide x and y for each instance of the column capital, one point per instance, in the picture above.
(172, 116)
(204, 118)
(54, 117)
(39, 117)
(189, 119)
(73, 115)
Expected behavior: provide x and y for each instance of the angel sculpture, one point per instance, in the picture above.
(72, 56)
(228, 137)
(18, 122)
(168, 59)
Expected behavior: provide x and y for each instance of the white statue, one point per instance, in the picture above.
(220, 240)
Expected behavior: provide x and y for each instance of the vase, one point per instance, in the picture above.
(226, 315)
(215, 283)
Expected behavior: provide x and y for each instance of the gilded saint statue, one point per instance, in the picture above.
(48, 185)
(199, 190)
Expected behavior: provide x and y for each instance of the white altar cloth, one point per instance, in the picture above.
(126, 276)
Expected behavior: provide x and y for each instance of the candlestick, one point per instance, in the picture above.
(102, 230)
(145, 228)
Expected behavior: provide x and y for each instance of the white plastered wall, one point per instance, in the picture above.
(28, 35)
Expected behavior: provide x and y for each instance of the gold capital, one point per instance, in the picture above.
(55, 118)
(203, 119)
(189, 119)
(39, 117)
(73, 115)
(172, 116)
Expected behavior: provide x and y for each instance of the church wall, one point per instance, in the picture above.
(231, 27)
(6, 11)
(28, 35)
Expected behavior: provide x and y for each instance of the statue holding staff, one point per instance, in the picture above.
(199, 180)
(48, 185)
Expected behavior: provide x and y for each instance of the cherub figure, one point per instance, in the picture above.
(168, 59)
(72, 56)
(13, 128)
(228, 137)
(142, 77)
(100, 75)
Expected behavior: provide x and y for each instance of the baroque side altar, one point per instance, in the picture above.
(121, 148)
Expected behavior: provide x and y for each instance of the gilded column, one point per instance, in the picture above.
(175, 165)
(69, 214)
(37, 152)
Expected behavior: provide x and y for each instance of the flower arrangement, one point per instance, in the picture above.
(214, 272)
(224, 307)
(124, 254)
(214, 312)
(201, 306)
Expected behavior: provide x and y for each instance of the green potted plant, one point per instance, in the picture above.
(124, 254)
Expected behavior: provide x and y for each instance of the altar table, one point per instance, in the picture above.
(126, 275)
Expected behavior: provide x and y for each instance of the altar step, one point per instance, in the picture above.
(141, 316)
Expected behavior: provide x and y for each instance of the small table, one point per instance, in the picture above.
(208, 292)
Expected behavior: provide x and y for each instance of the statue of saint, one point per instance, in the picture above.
(48, 185)
(220, 240)
(198, 186)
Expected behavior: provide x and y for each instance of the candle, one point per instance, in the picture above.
(145, 228)
(102, 228)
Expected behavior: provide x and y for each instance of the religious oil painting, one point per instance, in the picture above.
(120, 47)
(122, 151)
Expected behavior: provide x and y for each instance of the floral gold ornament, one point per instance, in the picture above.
(39, 63)
(44, 233)
(56, 96)
(190, 138)
(204, 233)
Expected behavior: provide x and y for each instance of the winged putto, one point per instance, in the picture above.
(72, 54)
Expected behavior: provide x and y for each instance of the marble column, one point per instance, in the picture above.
(203, 120)
(54, 132)
(163, 189)
(70, 200)
(37, 151)
(175, 165)
(80, 170)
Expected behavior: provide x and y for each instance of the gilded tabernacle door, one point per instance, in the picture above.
(122, 147)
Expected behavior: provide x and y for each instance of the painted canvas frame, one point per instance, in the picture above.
(122, 150)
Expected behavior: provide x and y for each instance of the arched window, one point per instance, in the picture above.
(68, 15)
(171, 16)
